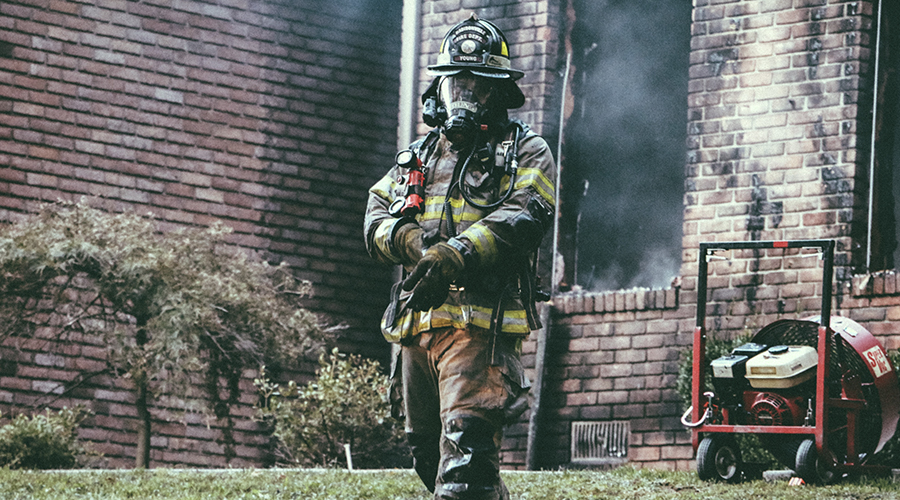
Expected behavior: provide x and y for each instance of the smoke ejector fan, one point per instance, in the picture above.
(858, 371)
(822, 398)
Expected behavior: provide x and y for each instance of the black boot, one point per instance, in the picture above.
(470, 466)
(426, 456)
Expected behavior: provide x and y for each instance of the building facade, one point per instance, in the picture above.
(275, 117)
(790, 135)
(272, 117)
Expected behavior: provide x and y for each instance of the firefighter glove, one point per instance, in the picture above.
(430, 280)
(409, 241)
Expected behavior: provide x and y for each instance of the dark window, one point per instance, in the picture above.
(624, 154)
(884, 252)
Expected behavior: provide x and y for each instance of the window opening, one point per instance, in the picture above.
(884, 183)
(624, 154)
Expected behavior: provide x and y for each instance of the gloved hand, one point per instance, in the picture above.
(430, 280)
(409, 241)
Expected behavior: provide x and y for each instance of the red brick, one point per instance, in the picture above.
(820, 218)
(584, 344)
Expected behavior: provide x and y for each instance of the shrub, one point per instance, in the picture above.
(173, 308)
(43, 441)
(347, 403)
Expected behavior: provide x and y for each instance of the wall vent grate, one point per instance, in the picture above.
(600, 443)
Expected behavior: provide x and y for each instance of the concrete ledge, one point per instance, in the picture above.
(777, 475)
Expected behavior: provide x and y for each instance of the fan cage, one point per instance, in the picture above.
(844, 360)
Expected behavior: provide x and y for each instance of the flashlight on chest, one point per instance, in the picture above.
(413, 201)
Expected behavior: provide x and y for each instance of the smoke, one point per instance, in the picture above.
(625, 142)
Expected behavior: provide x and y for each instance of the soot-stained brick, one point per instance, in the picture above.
(719, 57)
(760, 207)
(6, 49)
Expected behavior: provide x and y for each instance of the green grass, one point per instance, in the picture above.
(623, 483)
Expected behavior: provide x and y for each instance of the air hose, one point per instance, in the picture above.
(512, 169)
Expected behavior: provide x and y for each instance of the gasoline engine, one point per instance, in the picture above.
(763, 385)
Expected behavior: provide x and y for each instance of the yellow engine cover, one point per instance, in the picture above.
(781, 367)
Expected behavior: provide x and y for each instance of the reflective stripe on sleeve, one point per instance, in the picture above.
(536, 179)
(483, 239)
(383, 188)
(383, 240)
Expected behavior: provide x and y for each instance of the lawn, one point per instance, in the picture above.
(623, 483)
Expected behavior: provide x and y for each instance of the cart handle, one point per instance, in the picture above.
(685, 419)
(826, 247)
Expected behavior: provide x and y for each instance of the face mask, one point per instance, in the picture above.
(465, 98)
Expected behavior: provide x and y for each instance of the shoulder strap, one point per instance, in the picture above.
(425, 144)
(524, 129)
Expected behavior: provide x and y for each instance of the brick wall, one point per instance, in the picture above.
(75, 374)
(773, 132)
(780, 102)
(613, 356)
(272, 116)
(777, 148)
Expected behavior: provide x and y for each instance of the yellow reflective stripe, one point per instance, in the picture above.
(470, 214)
(382, 239)
(434, 209)
(434, 201)
(437, 202)
(384, 188)
(482, 238)
(535, 178)
(430, 215)
(406, 326)
(459, 316)
(412, 323)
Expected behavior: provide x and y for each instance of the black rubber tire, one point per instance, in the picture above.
(808, 466)
(719, 459)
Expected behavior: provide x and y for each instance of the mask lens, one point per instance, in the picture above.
(465, 88)
(483, 90)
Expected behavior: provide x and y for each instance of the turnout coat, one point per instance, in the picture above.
(498, 242)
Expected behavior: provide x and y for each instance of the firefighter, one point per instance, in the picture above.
(463, 212)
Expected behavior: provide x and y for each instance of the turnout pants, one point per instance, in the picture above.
(459, 388)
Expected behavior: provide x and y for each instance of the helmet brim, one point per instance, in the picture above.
(477, 70)
(514, 98)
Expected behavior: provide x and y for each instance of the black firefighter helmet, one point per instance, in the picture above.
(479, 47)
